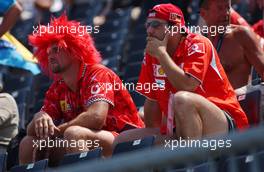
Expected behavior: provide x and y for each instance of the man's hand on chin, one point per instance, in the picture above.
(155, 47)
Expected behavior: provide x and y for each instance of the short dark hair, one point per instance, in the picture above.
(205, 3)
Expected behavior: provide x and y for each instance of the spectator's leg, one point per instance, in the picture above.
(31, 150)
(56, 153)
(196, 116)
(26, 150)
(89, 139)
(3, 149)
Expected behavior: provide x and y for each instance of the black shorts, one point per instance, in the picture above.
(231, 122)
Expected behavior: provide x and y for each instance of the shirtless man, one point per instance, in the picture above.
(238, 48)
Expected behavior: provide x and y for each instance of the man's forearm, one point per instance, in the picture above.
(10, 19)
(175, 74)
(85, 119)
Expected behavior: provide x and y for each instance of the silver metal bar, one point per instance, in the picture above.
(161, 158)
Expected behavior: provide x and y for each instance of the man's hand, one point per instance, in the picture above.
(44, 126)
(155, 47)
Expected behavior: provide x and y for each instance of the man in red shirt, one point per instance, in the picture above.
(85, 104)
(193, 94)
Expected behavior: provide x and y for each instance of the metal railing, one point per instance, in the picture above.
(162, 158)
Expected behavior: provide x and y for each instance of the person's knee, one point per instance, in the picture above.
(183, 102)
(76, 133)
(182, 98)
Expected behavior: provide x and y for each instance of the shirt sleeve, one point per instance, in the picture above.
(52, 104)
(8, 108)
(146, 79)
(5, 5)
(196, 60)
(100, 87)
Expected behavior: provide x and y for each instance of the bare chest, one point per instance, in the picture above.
(231, 55)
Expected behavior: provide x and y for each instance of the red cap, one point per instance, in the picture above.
(168, 12)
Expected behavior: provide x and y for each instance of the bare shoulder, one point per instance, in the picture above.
(243, 34)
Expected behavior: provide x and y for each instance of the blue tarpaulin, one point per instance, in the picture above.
(10, 57)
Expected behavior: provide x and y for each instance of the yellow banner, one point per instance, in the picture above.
(26, 54)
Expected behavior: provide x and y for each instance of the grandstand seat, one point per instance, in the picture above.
(135, 57)
(178, 170)
(109, 50)
(137, 44)
(113, 63)
(132, 70)
(109, 37)
(139, 31)
(85, 12)
(138, 98)
(41, 92)
(40, 80)
(80, 157)
(22, 108)
(3, 69)
(124, 147)
(24, 99)
(133, 80)
(256, 79)
(250, 103)
(260, 158)
(37, 166)
(243, 163)
(114, 26)
(37, 106)
(24, 95)
(119, 14)
(3, 162)
(15, 82)
(21, 33)
(203, 167)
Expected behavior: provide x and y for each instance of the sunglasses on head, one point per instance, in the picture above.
(154, 24)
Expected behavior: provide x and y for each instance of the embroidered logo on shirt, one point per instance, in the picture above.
(95, 89)
(158, 71)
(196, 48)
(64, 106)
(160, 83)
